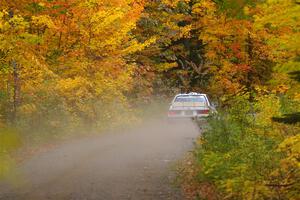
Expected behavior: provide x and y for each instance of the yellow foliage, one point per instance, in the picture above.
(282, 16)
(135, 46)
(268, 106)
(291, 146)
(9, 141)
(173, 3)
(43, 20)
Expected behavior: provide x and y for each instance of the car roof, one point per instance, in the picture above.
(190, 94)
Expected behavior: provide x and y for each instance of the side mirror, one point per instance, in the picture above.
(214, 104)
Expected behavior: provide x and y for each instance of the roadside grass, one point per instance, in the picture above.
(9, 141)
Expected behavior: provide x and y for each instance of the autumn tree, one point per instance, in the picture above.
(67, 58)
(205, 46)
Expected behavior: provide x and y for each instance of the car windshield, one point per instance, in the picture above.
(195, 99)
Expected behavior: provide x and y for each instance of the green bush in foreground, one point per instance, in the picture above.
(248, 156)
(9, 141)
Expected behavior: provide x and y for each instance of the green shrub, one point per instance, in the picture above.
(240, 155)
(9, 141)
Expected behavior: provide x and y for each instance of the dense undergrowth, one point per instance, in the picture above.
(9, 141)
(246, 154)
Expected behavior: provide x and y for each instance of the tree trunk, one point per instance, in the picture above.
(16, 91)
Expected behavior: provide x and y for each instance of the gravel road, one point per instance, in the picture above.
(134, 165)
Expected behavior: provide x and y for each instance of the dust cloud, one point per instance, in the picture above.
(130, 163)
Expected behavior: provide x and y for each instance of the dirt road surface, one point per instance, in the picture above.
(133, 165)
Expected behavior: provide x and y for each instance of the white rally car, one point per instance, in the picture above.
(192, 105)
